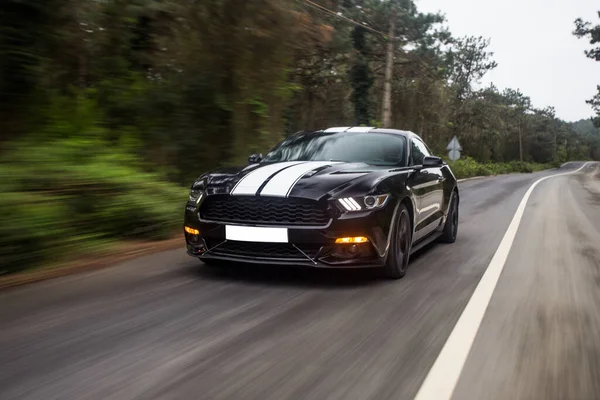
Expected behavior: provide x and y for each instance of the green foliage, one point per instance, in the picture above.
(469, 62)
(586, 30)
(586, 129)
(467, 167)
(595, 103)
(73, 194)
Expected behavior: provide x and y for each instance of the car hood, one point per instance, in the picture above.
(308, 179)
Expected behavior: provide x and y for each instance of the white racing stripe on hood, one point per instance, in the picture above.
(250, 183)
(282, 184)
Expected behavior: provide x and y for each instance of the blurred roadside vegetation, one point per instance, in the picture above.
(467, 167)
(77, 196)
(111, 108)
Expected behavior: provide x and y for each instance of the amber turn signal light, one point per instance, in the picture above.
(192, 231)
(348, 240)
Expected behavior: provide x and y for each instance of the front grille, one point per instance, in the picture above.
(264, 210)
(263, 250)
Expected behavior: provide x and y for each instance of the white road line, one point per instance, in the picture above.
(443, 375)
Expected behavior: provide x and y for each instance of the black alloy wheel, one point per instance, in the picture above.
(451, 226)
(397, 262)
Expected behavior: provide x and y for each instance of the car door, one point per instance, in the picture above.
(427, 185)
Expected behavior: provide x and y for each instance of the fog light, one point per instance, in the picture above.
(348, 240)
(192, 231)
(351, 251)
(196, 249)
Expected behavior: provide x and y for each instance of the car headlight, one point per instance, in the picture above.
(197, 191)
(195, 194)
(364, 203)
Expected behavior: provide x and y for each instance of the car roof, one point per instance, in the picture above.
(366, 129)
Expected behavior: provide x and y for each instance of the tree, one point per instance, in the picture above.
(28, 34)
(469, 62)
(171, 75)
(518, 105)
(360, 76)
(586, 30)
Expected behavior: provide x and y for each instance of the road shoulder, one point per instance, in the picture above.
(114, 257)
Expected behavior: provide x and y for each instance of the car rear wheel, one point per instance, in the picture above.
(397, 261)
(451, 226)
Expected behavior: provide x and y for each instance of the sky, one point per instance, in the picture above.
(534, 47)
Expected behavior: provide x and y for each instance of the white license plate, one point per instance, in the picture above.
(256, 234)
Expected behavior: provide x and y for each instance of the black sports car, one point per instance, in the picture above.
(335, 198)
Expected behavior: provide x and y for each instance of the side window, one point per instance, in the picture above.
(418, 152)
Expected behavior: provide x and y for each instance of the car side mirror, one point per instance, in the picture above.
(432, 161)
(255, 158)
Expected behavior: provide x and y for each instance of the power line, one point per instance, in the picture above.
(328, 11)
(331, 12)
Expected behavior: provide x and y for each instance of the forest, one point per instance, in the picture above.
(110, 109)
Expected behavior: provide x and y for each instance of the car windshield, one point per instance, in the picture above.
(371, 148)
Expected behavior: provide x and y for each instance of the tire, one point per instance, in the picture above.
(451, 226)
(397, 261)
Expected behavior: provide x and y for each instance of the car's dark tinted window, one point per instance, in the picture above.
(418, 151)
(370, 148)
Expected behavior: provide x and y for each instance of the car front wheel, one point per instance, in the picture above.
(397, 261)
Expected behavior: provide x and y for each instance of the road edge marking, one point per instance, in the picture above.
(441, 380)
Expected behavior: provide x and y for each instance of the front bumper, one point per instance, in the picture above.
(307, 245)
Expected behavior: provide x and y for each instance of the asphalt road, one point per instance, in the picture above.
(165, 327)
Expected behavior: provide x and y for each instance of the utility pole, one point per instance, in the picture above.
(389, 68)
(520, 142)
